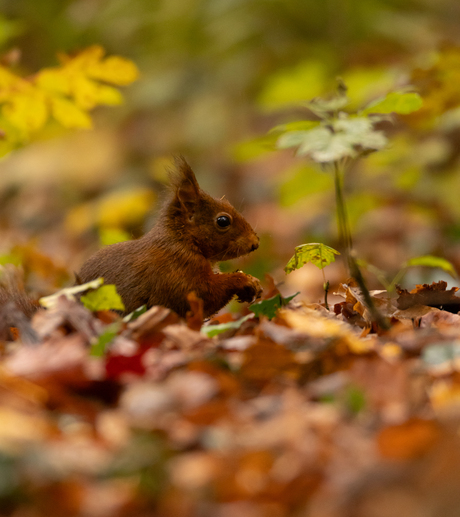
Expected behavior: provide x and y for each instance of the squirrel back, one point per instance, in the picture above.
(178, 255)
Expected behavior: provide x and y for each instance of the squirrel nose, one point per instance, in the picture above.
(255, 243)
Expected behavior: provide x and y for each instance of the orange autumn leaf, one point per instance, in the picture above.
(408, 440)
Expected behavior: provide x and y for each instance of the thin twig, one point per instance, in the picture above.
(347, 245)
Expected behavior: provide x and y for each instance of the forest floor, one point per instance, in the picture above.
(316, 412)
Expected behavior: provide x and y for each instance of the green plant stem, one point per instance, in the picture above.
(326, 291)
(347, 246)
(342, 218)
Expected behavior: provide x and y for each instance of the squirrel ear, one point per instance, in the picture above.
(185, 185)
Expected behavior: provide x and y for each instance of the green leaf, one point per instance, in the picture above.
(214, 330)
(359, 131)
(431, 261)
(135, 314)
(395, 102)
(103, 299)
(315, 252)
(320, 144)
(270, 307)
(340, 139)
(100, 346)
(296, 138)
(50, 301)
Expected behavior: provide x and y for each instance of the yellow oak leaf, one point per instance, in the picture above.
(108, 95)
(88, 93)
(81, 60)
(67, 92)
(84, 92)
(53, 80)
(115, 70)
(68, 114)
(28, 111)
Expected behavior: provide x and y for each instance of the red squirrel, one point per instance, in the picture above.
(178, 255)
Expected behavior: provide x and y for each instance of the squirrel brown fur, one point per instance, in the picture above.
(179, 254)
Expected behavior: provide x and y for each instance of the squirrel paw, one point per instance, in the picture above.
(251, 291)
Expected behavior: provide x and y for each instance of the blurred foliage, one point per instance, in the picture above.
(65, 93)
(214, 78)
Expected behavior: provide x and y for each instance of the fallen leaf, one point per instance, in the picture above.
(408, 440)
(434, 295)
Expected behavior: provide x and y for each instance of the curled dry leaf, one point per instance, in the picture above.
(434, 295)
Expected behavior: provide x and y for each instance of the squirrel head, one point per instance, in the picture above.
(211, 225)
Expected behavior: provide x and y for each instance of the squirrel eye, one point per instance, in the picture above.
(223, 221)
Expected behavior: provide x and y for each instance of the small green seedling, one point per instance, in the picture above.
(338, 137)
(315, 253)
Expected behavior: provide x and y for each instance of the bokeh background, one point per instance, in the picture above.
(216, 76)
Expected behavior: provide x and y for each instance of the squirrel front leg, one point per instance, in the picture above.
(224, 286)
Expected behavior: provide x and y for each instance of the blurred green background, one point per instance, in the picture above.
(216, 75)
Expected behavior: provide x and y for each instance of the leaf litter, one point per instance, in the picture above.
(307, 413)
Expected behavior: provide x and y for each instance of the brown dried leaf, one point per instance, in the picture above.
(355, 298)
(434, 295)
(315, 325)
(440, 319)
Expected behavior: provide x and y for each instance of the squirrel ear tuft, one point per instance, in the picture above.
(184, 183)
